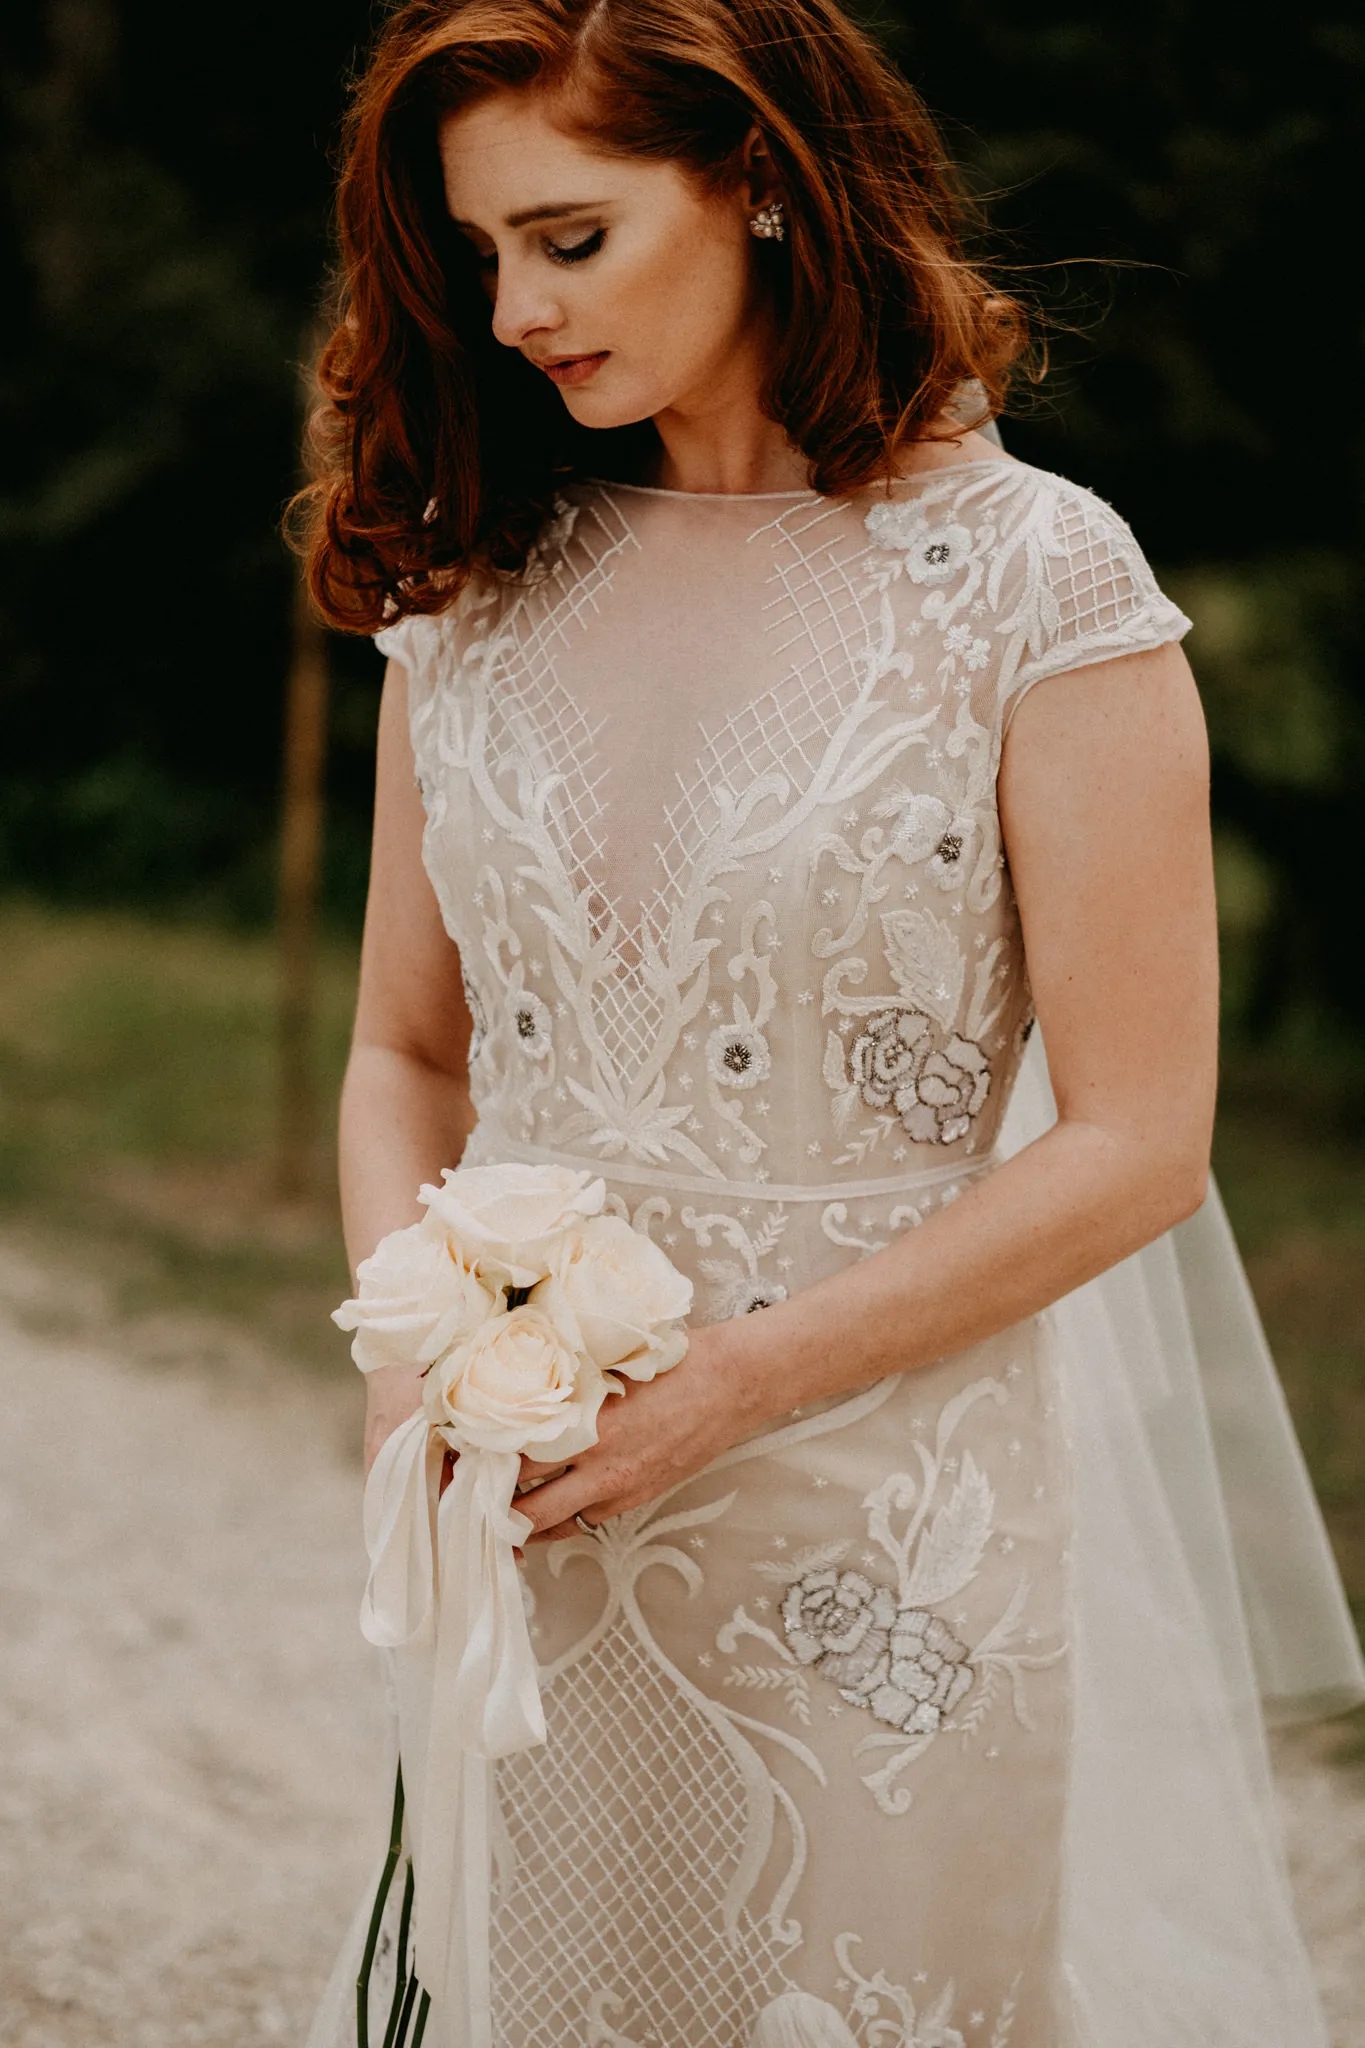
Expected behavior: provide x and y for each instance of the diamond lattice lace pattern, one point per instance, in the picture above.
(628, 1827)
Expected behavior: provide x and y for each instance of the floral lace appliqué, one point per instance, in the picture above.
(930, 554)
(903, 1664)
(927, 830)
(935, 1091)
(738, 1054)
(882, 1648)
(532, 1024)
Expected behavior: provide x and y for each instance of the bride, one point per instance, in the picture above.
(762, 751)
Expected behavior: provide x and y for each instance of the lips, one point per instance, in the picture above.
(573, 369)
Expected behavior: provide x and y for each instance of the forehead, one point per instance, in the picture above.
(505, 154)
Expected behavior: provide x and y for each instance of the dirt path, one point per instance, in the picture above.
(190, 1723)
(188, 1717)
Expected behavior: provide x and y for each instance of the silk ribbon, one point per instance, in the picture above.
(443, 1573)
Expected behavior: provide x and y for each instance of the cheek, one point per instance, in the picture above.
(686, 301)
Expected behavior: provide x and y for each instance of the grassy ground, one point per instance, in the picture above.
(136, 1129)
(137, 1118)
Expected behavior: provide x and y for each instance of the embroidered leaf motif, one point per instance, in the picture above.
(936, 2018)
(767, 1239)
(866, 1141)
(642, 1130)
(951, 1548)
(982, 1700)
(771, 1678)
(813, 1559)
(927, 961)
(756, 1676)
(1004, 2026)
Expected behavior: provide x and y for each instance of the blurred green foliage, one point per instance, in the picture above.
(1168, 184)
(164, 205)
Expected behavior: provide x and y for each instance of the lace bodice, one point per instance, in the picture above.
(711, 803)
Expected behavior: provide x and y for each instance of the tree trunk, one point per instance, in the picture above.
(305, 749)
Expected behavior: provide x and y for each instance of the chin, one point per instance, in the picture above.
(604, 409)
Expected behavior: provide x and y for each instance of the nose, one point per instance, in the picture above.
(523, 306)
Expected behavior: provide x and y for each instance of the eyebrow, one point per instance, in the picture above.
(556, 209)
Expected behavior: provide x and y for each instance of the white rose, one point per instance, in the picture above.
(416, 1299)
(514, 1384)
(506, 1219)
(620, 1296)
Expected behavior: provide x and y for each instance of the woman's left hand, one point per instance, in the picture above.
(652, 1437)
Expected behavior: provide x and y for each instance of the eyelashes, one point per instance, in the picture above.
(576, 252)
(565, 253)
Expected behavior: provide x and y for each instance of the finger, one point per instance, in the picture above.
(533, 1485)
(602, 1511)
(534, 1474)
(560, 1500)
(619, 1504)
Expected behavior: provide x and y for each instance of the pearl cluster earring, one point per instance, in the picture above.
(770, 222)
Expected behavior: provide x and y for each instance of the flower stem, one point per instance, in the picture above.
(409, 2000)
(362, 1982)
(401, 1976)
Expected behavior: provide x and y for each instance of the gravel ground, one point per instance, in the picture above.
(189, 1718)
(191, 1724)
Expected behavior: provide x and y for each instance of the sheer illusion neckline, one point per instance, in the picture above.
(606, 483)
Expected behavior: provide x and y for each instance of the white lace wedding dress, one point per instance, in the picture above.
(926, 1718)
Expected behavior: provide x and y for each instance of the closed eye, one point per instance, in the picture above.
(576, 252)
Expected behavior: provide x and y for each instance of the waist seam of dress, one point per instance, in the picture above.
(750, 1191)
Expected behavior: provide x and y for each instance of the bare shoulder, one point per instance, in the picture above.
(1129, 717)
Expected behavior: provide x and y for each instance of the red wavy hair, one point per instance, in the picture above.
(437, 451)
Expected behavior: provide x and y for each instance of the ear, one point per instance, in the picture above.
(758, 173)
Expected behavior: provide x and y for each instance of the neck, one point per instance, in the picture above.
(721, 441)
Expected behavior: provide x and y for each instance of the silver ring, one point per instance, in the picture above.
(588, 1528)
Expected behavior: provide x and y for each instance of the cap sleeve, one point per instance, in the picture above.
(409, 640)
(1089, 595)
(421, 644)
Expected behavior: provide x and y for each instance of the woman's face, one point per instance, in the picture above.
(618, 277)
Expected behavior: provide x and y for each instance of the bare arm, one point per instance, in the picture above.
(1104, 804)
(405, 1107)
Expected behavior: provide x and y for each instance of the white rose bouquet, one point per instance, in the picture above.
(523, 1306)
